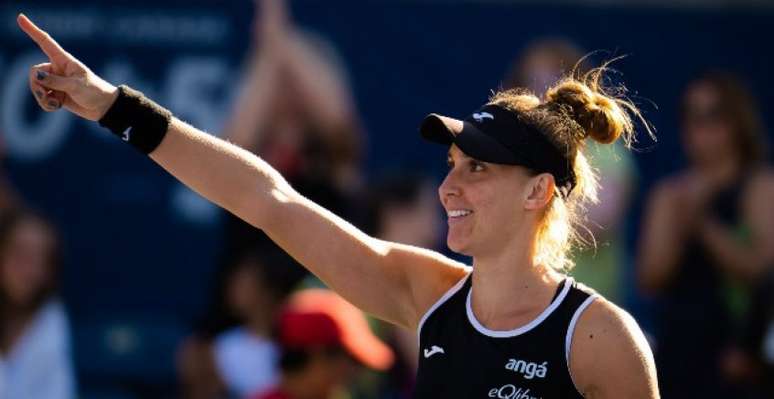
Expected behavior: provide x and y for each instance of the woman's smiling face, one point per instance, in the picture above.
(484, 203)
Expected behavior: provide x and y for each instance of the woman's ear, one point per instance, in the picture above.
(539, 191)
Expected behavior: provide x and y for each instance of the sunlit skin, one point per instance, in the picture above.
(394, 282)
(506, 204)
(491, 192)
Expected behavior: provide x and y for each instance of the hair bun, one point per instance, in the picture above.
(601, 116)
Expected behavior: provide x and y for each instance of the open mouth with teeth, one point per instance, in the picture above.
(459, 213)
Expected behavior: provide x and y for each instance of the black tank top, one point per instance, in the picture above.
(460, 358)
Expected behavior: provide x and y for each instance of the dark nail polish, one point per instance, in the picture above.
(41, 75)
(53, 103)
(38, 94)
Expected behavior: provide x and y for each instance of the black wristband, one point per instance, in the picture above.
(137, 120)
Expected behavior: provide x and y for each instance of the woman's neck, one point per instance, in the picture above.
(510, 287)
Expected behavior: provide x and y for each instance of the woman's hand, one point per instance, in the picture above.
(65, 81)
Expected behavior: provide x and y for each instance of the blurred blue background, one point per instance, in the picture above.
(140, 249)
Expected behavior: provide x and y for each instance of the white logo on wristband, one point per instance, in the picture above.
(127, 134)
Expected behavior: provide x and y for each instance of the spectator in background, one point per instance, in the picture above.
(403, 208)
(323, 340)
(234, 355)
(542, 63)
(295, 87)
(35, 359)
(708, 235)
(599, 264)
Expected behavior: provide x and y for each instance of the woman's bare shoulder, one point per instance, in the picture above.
(610, 356)
(431, 275)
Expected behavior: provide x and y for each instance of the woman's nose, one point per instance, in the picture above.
(449, 187)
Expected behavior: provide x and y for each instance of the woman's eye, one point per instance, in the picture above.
(476, 166)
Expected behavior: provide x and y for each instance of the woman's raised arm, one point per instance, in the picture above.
(392, 281)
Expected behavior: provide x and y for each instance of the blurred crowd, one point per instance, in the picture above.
(704, 260)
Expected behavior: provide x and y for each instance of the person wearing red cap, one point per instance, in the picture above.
(513, 326)
(322, 339)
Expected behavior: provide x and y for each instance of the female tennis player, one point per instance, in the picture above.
(512, 326)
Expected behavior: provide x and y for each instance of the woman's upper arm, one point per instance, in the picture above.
(388, 280)
(392, 281)
(610, 357)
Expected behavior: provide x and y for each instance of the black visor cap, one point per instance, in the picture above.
(472, 141)
(497, 135)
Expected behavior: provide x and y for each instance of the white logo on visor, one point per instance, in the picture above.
(480, 116)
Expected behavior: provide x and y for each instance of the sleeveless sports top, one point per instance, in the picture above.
(460, 358)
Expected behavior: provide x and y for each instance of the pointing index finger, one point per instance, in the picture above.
(46, 43)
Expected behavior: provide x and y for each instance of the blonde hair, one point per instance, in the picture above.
(573, 109)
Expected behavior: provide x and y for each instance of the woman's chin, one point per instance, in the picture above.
(457, 245)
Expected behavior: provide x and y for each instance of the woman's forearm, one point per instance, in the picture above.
(224, 173)
(392, 281)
